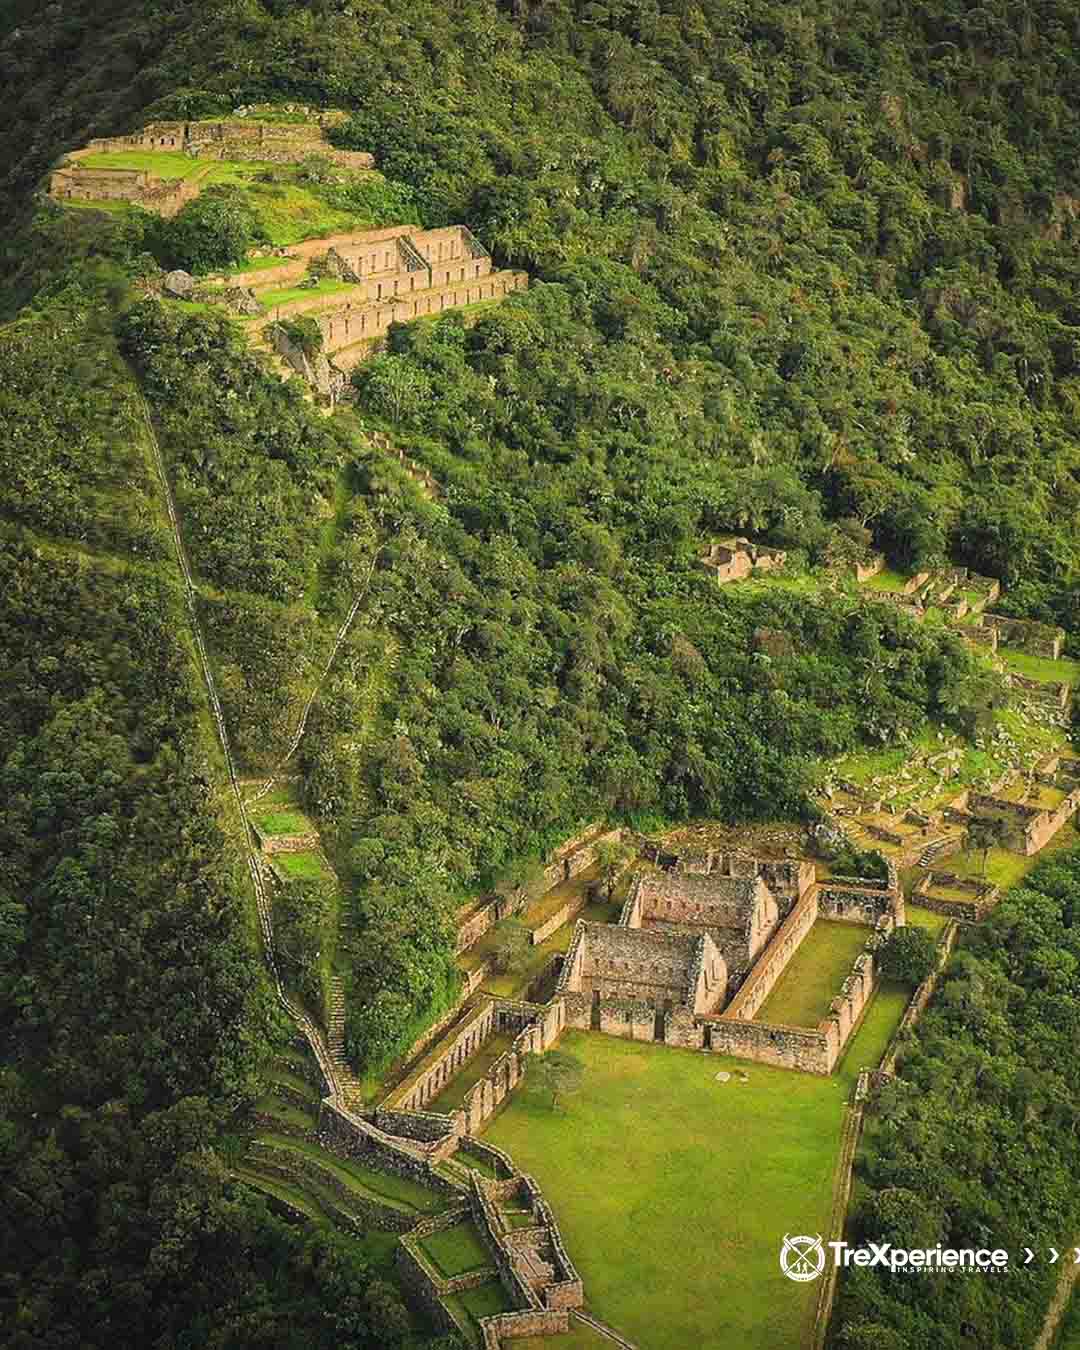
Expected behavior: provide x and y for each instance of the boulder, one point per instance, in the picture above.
(179, 284)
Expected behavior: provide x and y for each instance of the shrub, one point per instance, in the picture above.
(215, 230)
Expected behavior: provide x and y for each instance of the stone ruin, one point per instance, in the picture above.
(734, 558)
(263, 142)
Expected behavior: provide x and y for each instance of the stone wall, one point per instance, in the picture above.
(286, 843)
(350, 325)
(478, 923)
(870, 568)
(433, 1073)
(772, 963)
(981, 897)
(164, 196)
(1039, 639)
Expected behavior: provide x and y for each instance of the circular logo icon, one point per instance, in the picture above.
(802, 1258)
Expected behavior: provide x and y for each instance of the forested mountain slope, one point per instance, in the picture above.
(809, 271)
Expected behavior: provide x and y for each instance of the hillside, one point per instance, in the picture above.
(808, 274)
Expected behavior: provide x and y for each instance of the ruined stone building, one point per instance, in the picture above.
(735, 558)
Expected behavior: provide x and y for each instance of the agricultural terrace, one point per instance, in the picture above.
(626, 1212)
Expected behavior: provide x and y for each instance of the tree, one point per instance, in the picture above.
(907, 955)
(557, 1072)
(511, 946)
(215, 230)
(611, 856)
(985, 833)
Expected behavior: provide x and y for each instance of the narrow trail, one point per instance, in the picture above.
(301, 726)
(1060, 1301)
(331, 1071)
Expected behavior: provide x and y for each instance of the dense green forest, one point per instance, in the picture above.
(809, 271)
(977, 1137)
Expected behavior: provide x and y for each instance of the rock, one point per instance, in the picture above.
(723, 1077)
(179, 284)
(242, 300)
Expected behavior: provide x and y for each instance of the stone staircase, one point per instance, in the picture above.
(936, 848)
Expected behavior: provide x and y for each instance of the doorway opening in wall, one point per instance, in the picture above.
(658, 1022)
(594, 1020)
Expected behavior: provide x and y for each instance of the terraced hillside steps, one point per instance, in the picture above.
(936, 848)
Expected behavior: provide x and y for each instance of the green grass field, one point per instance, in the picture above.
(174, 164)
(801, 996)
(282, 822)
(1041, 667)
(302, 866)
(285, 296)
(887, 580)
(654, 1159)
(456, 1250)
(926, 918)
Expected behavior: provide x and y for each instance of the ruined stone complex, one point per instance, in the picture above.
(263, 142)
(735, 558)
(392, 274)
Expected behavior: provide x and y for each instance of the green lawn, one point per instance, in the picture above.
(456, 1250)
(282, 822)
(579, 1337)
(887, 580)
(486, 1300)
(549, 903)
(1002, 867)
(1040, 667)
(302, 866)
(918, 917)
(801, 996)
(879, 1021)
(278, 1109)
(284, 296)
(471, 1072)
(174, 164)
(654, 1160)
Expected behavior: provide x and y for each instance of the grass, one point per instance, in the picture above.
(1007, 869)
(887, 580)
(277, 1109)
(397, 1191)
(564, 893)
(653, 1149)
(918, 917)
(1003, 868)
(471, 1072)
(294, 1081)
(1041, 667)
(174, 165)
(813, 977)
(282, 822)
(873, 1034)
(579, 1337)
(304, 866)
(456, 1250)
(486, 1300)
(284, 296)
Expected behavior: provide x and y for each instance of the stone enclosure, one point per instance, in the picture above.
(263, 142)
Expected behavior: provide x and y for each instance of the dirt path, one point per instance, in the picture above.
(1070, 1271)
